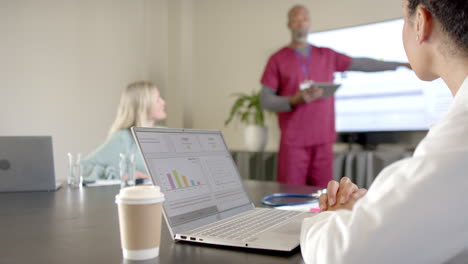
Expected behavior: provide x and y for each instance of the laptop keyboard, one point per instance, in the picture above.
(246, 226)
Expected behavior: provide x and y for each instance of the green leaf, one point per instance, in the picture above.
(259, 116)
(235, 108)
(245, 117)
(247, 108)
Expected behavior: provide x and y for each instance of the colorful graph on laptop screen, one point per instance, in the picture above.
(196, 174)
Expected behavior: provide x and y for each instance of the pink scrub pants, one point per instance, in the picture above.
(312, 165)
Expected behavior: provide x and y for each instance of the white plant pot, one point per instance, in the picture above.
(255, 137)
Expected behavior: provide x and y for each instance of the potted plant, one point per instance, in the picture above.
(249, 111)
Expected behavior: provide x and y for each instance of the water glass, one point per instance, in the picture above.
(127, 169)
(74, 170)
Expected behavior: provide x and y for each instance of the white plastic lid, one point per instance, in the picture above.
(140, 195)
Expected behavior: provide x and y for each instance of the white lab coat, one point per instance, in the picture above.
(414, 212)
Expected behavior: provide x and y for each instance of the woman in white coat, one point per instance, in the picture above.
(415, 211)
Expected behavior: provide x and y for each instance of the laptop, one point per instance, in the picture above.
(27, 164)
(205, 199)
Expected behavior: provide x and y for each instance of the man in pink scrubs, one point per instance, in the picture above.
(306, 120)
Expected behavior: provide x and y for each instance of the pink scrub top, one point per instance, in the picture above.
(312, 123)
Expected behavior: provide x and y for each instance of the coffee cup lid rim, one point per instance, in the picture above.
(140, 194)
(119, 200)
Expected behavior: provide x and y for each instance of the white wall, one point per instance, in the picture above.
(64, 63)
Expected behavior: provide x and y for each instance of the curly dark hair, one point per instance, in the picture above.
(452, 14)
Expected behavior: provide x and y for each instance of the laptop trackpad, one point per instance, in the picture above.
(285, 236)
(293, 227)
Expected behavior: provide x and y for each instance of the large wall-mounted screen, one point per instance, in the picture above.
(381, 101)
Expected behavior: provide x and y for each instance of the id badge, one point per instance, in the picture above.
(305, 85)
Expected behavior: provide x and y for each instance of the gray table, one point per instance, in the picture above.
(81, 226)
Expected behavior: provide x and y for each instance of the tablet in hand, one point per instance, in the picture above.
(329, 89)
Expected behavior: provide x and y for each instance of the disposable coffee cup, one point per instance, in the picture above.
(140, 221)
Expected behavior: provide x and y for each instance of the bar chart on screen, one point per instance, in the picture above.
(181, 175)
(177, 181)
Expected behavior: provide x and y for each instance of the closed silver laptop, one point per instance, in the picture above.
(206, 201)
(27, 164)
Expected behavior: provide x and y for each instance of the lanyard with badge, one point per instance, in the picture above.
(305, 69)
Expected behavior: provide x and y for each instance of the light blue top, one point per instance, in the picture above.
(103, 163)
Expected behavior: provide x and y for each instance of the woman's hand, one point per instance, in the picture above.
(138, 175)
(141, 175)
(342, 195)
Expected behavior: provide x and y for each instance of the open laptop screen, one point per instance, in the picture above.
(196, 173)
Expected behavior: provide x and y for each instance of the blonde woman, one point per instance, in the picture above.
(140, 105)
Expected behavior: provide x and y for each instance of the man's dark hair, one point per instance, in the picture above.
(452, 14)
